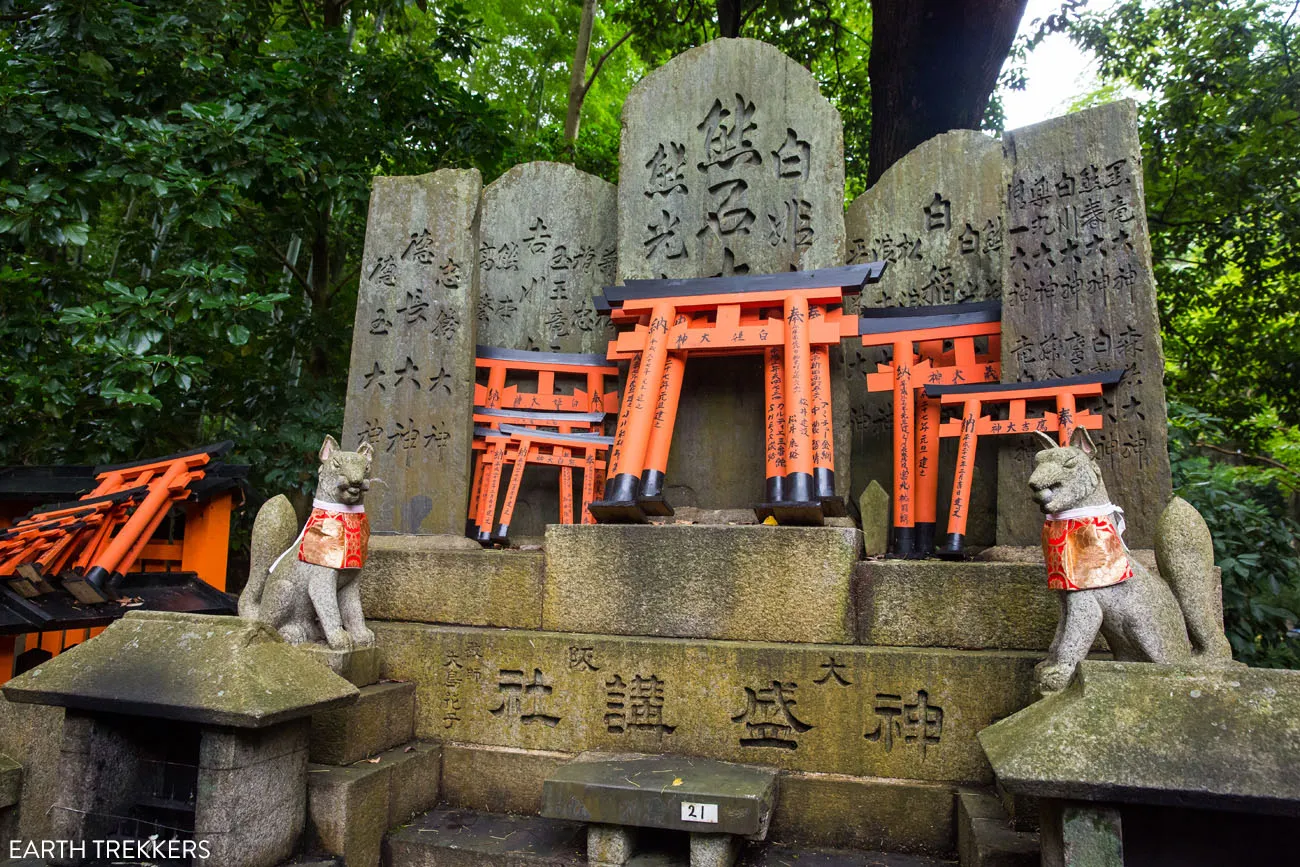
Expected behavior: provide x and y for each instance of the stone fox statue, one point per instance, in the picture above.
(1101, 587)
(305, 584)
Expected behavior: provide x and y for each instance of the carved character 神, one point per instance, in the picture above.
(1102, 588)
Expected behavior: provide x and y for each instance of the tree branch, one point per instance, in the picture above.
(1238, 453)
(297, 275)
(302, 5)
(600, 61)
(340, 283)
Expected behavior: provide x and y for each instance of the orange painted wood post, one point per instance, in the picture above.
(526, 451)
(7, 657)
(823, 437)
(475, 491)
(1065, 413)
(588, 483)
(651, 499)
(207, 539)
(774, 411)
(904, 451)
(799, 486)
(625, 413)
(623, 486)
(487, 507)
(927, 472)
(496, 385)
(158, 499)
(566, 488)
(959, 509)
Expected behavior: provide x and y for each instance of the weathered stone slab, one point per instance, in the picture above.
(731, 162)
(411, 578)
(11, 782)
(930, 603)
(1158, 734)
(383, 717)
(844, 812)
(985, 837)
(909, 714)
(415, 780)
(1080, 298)
(347, 811)
(936, 216)
(743, 582)
(30, 735)
(496, 779)
(411, 377)
(656, 792)
(359, 666)
(467, 838)
(189, 667)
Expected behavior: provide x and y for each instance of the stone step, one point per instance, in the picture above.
(455, 837)
(863, 711)
(824, 810)
(350, 807)
(382, 717)
(985, 837)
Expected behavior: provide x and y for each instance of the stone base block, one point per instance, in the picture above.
(466, 838)
(985, 838)
(11, 782)
(822, 810)
(973, 605)
(714, 850)
(383, 717)
(737, 582)
(416, 578)
(609, 845)
(359, 667)
(864, 711)
(350, 808)
(496, 779)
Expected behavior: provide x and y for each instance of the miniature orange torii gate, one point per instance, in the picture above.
(521, 446)
(791, 319)
(491, 455)
(973, 423)
(501, 365)
(918, 336)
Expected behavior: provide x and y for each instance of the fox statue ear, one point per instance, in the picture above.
(366, 450)
(328, 448)
(1048, 442)
(1082, 441)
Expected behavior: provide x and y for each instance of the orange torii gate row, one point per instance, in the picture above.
(500, 366)
(484, 488)
(792, 319)
(930, 346)
(88, 544)
(1062, 418)
(522, 446)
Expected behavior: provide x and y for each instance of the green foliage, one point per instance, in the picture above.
(1246, 509)
(183, 195)
(1221, 145)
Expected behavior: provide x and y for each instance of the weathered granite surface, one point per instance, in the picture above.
(1079, 298)
(415, 578)
(936, 216)
(731, 162)
(411, 375)
(1158, 734)
(382, 717)
(29, 734)
(741, 582)
(189, 667)
(901, 713)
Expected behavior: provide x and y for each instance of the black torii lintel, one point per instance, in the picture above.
(849, 278)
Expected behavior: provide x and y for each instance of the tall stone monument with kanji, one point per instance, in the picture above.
(732, 162)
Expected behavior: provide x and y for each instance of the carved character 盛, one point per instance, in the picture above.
(305, 585)
(1103, 588)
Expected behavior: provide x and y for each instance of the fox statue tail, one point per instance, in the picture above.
(274, 530)
(1185, 557)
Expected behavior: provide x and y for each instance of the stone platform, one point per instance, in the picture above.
(864, 711)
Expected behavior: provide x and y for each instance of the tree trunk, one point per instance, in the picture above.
(729, 17)
(933, 67)
(578, 74)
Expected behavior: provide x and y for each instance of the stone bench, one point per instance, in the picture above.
(717, 803)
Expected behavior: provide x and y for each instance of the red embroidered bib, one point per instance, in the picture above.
(335, 538)
(1084, 553)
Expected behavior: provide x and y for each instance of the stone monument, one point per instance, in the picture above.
(731, 162)
(936, 217)
(411, 378)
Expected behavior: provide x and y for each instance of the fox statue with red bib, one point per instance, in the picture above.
(1175, 616)
(307, 587)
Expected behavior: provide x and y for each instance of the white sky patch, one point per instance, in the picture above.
(1057, 72)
